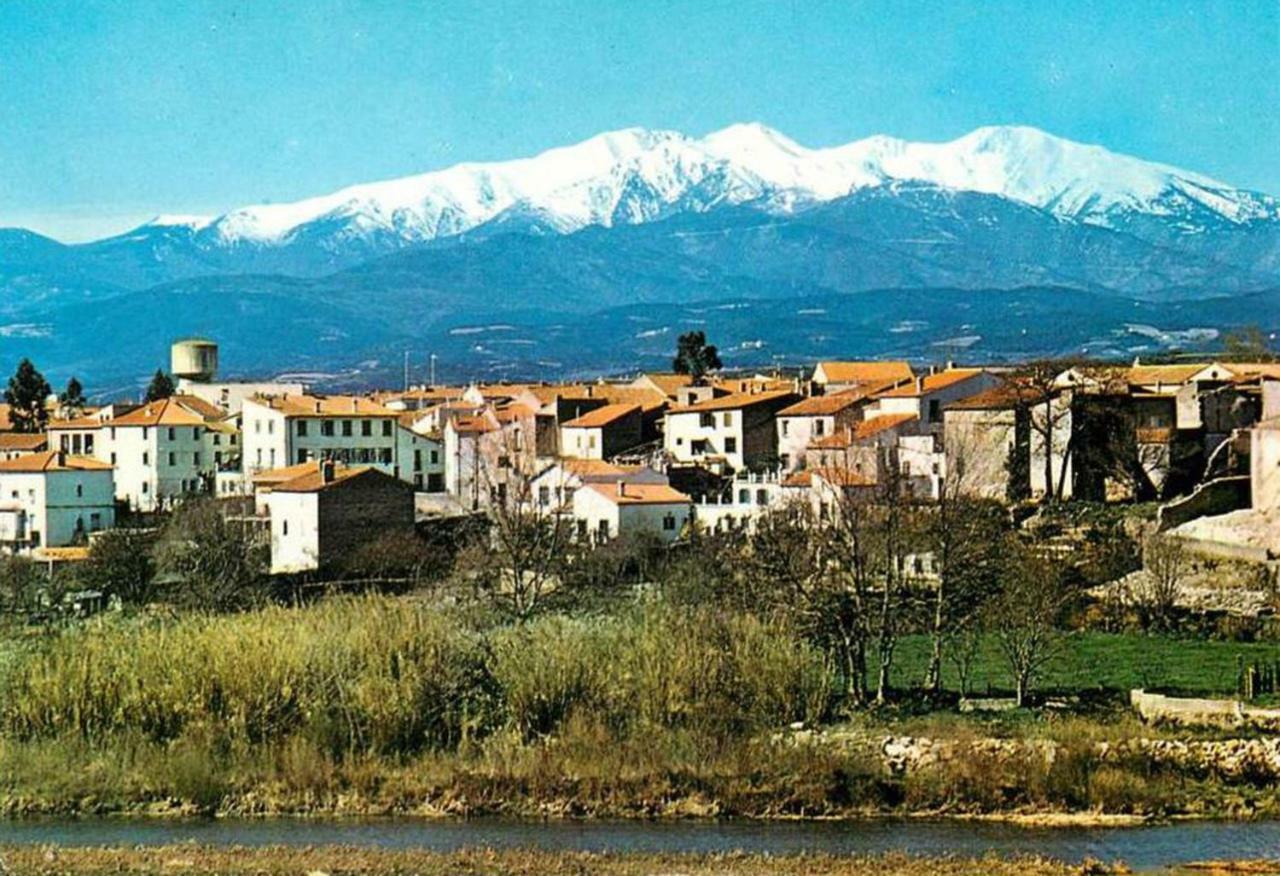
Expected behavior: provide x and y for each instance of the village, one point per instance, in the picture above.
(659, 455)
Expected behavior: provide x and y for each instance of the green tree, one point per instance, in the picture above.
(1248, 344)
(121, 564)
(161, 386)
(215, 563)
(694, 356)
(72, 398)
(26, 397)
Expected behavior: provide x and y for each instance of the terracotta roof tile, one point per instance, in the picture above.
(732, 402)
(602, 416)
(51, 460)
(932, 383)
(325, 406)
(866, 372)
(640, 494)
(23, 441)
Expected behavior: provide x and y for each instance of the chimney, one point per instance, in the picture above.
(622, 489)
(326, 471)
(317, 406)
(61, 460)
(919, 384)
(951, 364)
(355, 404)
(591, 391)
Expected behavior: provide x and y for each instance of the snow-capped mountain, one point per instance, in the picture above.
(637, 175)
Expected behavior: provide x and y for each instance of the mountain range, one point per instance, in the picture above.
(742, 232)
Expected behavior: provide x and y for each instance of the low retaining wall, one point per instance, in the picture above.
(1217, 496)
(1154, 708)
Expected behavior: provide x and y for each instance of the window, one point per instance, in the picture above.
(669, 522)
(113, 433)
(384, 456)
(79, 491)
(785, 459)
(435, 457)
(146, 458)
(302, 428)
(257, 427)
(145, 431)
(88, 444)
(113, 457)
(935, 410)
(707, 421)
(146, 488)
(731, 445)
(417, 460)
(762, 497)
(544, 496)
(195, 459)
(819, 426)
(217, 439)
(603, 529)
(302, 456)
(698, 447)
(346, 428)
(504, 462)
(502, 494)
(786, 428)
(386, 428)
(195, 433)
(284, 527)
(217, 457)
(95, 521)
(582, 530)
(271, 427)
(259, 457)
(326, 428)
(744, 496)
(273, 457)
(591, 441)
(727, 419)
(366, 428)
(173, 458)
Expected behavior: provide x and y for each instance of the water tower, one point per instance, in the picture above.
(194, 359)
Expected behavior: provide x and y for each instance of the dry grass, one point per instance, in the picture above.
(349, 862)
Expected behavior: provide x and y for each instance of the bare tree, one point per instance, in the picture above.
(522, 560)
(1167, 567)
(210, 559)
(1023, 618)
(961, 533)
(1048, 408)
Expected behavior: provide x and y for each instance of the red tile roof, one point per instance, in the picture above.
(932, 383)
(866, 372)
(732, 402)
(640, 494)
(51, 460)
(602, 416)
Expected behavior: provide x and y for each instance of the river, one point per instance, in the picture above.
(1142, 847)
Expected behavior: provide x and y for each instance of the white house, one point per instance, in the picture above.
(602, 433)
(15, 444)
(320, 517)
(817, 417)
(161, 451)
(285, 430)
(50, 499)
(834, 376)
(554, 486)
(607, 511)
(735, 431)
(927, 395)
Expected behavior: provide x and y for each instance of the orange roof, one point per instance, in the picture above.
(746, 384)
(324, 406)
(822, 405)
(285, 473)
(732, 402)
(834, 474)
(51, 460)
(476, 423)
(602, 416)
(933, 383)
(23, 441)
(999, 398)
(178, 410)
(865, 372)
(1148, 374)
(612, 393)
(875, 425)
(313, 481)
(640, 494)
(514, 412)
(75, 423)
(668, 383)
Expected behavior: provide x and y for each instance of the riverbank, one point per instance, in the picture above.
(335, 861)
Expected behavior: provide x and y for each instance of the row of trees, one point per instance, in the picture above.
(27, 395)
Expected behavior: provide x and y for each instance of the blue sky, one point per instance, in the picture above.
(111, 112)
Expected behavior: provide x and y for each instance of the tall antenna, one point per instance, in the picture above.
(433, 369)
(406, 370)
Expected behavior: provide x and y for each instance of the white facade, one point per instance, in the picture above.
(280, 432)
(1264, 465)
(295, 531)
(601, 514)
(55, 507)
(156, 465)
(231, 396)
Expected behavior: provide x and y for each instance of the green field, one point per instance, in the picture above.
(1104, 661)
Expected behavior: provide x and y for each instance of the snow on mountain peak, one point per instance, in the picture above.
(637, 174)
